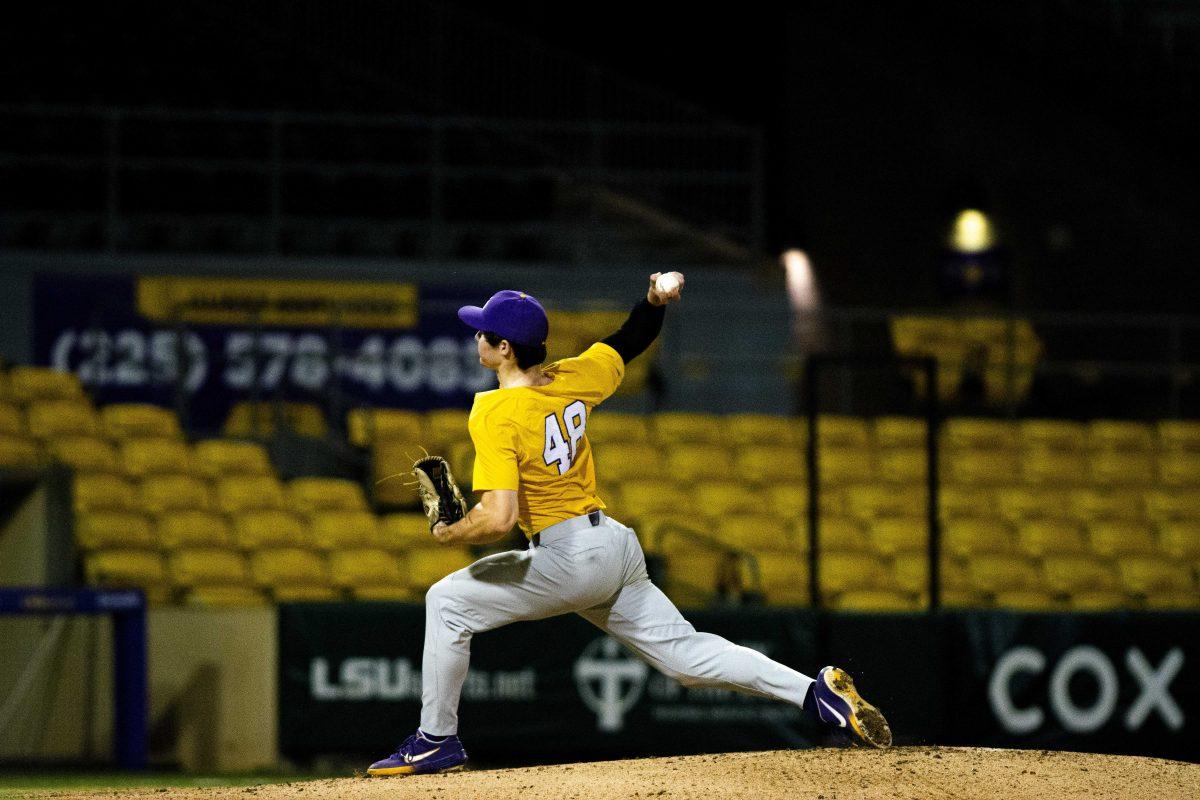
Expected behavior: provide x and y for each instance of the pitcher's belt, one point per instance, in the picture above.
(567, 527)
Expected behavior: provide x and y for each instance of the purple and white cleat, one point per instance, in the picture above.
(421, 755)
(838, 703)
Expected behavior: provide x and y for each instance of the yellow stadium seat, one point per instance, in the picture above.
(980, 467)
(692, 462)
(367, 425)
(179, 529)
(447, 425)
(198, 566)
(876, 600)
(755, 429)
(843, 572)
(154, 456)
(617, 427)
(425, 567)
(224, 457)
(960, 598)
(247, 492)
(1180, 539)
(783, 577)
(1099, 504)
(224, 596)
(841, 466)
(160, 493)
(789, 500)
(83, 453)
(1107, 434)
(1027, 600)
(1051, 537)
(873, 501)
(385, 593)
(19, 453)
(139, 420)
(911, 573)
(843, 433)
(1179, 468)
(1075, 574)
(770, 463)
(1111, 539)
(1052, 434)
(403, 531)
(694, 576)
(62, 418)
(932, 336)
(280, 566)
(983, 535)
(997, 573)
(646, 498)
(1172, 601)
(332, 530)
(721, 497)
(307, 495)
(12, 421)
(143, 568)
(755, 532)
(1154, 575)
(262, 420)
(903, 433)
(838, 534)
(1176, 434)
(269, 528)
(964, 501)
(622, 461)
(899, 535)
(1043, 467)
(391, 473)
(103, 492)
(29, 384)
(681, 427)
(360, 567)
(969, 433)
(1099, 600)
(462, 463)
(1163, 505)
(99, 530)
(1019, 504)
(902, 465)
(1118, 468)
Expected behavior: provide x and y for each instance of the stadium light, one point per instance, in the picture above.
(972, 232)
(801, 280)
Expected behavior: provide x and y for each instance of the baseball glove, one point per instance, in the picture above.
(440, 495)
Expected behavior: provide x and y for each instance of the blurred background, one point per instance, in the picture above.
(929, 407)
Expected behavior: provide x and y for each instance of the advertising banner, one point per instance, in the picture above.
(1107, 683)
(221, 340)
(560, 689)
(350, 683)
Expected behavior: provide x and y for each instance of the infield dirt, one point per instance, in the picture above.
(919, 773)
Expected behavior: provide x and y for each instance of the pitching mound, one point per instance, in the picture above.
(919, 773)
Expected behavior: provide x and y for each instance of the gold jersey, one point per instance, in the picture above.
(533, 440)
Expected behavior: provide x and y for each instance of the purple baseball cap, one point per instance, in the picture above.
(512, 315)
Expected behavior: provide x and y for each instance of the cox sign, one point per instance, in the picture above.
(1153, 685)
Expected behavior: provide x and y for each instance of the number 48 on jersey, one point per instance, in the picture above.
(562, 438)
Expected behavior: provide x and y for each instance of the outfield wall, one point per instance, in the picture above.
(349, 683)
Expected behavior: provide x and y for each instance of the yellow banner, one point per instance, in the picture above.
(281, 303)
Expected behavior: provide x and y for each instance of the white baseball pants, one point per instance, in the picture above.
(598, 572)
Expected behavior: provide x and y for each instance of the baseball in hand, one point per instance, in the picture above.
(666, 283)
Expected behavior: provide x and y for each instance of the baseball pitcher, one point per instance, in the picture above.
(534, 467)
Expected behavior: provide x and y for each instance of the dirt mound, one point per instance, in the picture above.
(919, 773)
